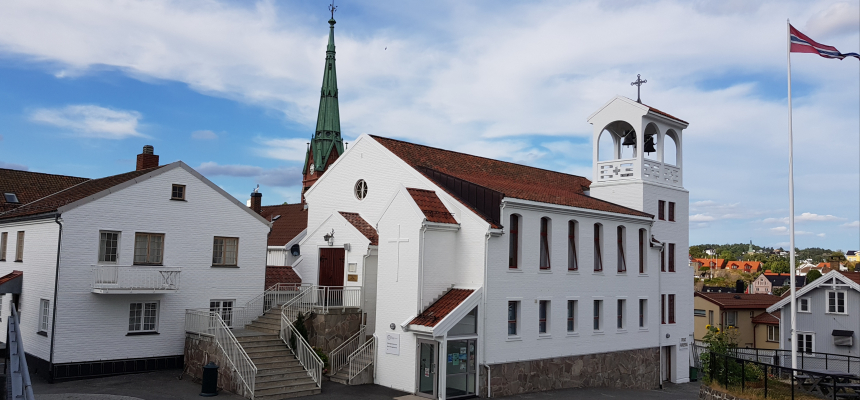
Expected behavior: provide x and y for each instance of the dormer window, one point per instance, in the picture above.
(178, 192)
(10, 197)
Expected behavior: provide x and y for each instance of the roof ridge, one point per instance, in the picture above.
(474, 156)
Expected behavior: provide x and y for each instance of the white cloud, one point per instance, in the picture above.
(853, 224)
(283, 149)
(13, 166)
(88, 120)
(821, 235)
(214, 169)
(783, 230)
(783, 220)
(815, 217)
(839, 18)
(279, 177)
(204, 135)
(701, 218)
(779, 230)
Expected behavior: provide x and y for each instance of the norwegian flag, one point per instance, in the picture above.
(801, 43)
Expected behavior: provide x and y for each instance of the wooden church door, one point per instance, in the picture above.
(331, 267)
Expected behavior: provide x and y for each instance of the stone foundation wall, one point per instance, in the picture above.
(199, 351)
(327, 331)
(629, 369)
(709, 393)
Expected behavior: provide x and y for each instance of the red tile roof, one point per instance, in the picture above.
(665, 114)
(442, 307)
(854, 276)
(10, 276)
(740, 300)
(365, 228)
(276, 274)
(432, 207)
(512, 180)
(719, 263)
(292, 221)
(31, 186)
(72, 194)
(767, 318)
(748, 266)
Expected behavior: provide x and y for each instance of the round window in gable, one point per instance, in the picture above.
(360, 189)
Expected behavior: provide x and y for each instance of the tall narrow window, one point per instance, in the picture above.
(621, 305)
(543, 310)
(44, 315)
(663, 260)
(148, 248)
(671, 257)
(514, 245)
(108, 245)
(225, 251)
(598, 248)
(512, 317)
(598, 305)
(662, 308)
(671, 308)
(19, 247)
(572, 259)
(622, 261)
(544, 242)
(642, 238)
(672, 211)
(571, 316)
(710, 317)
(4, 237)
(643, 307)
(661, 210)
(835, 302)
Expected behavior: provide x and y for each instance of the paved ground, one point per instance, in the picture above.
(164, 385)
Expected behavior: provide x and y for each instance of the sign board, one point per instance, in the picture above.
(352, 278)
(392, 343)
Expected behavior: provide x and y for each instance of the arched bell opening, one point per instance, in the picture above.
(617, 142)
(651, 142)
(670, 148)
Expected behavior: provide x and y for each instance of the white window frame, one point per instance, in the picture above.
(44, 315)
(597, 316)
(804, 301)
(223, 251)
(4, 240)
(801, 342)
(733, 314)
(844, 302)
(516, 320)
(773, 333)
(217, 305)
(703, 313)
(149, 249)
(141, 319)
(621, 314)
(100, 254)
(570, 320)
(19, 246)
(643, 313)
(547, 306)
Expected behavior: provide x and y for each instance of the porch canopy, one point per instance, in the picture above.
(11, 282)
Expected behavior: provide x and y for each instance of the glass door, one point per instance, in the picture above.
(460, 368)
(427, 369)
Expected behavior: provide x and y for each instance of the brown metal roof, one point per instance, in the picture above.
(442, 307)
(767, 318)
(432, 207)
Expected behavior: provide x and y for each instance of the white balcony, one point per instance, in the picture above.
(653, 171)
(135, 279)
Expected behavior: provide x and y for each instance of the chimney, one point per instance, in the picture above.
(740, 287)
(257, 202)
(147, 159)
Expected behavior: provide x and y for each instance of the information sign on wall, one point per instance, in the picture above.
(392, 343)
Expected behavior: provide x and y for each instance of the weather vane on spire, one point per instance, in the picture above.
(638, 83)
(332, 8)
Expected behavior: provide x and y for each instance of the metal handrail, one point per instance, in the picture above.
(302, 350)
(112, 277)
(339, 357)
(22, 387)
(362, 358)
(274, 296)
(210, 323)
(301, 303)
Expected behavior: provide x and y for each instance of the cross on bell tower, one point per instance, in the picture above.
(638, 83)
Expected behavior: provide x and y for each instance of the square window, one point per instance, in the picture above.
(108, 246)
(143, 317)
(148, 248)
(177, 192)
(805, 342)
(225, 251)
(803, 305)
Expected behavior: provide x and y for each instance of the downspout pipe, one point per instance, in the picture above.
(56, 289)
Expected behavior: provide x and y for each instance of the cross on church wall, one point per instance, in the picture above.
(398, 240)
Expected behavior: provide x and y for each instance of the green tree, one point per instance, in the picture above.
(812, 275)
(777, 266)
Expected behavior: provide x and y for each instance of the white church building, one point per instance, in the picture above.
(486, 277)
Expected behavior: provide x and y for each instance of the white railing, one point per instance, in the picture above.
(615, 169)
(671, 175)
(302, 350)
(274, 296)
(301, 303)
(339, 357)
(210, 323)
(321, 299)
(135, 279)
(19, 375)
(362, 358)
(277, 256)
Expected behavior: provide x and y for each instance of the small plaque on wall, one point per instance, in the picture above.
(352, 278)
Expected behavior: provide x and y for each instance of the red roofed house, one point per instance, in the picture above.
(466, 267)
(749, 267)
(741, 311)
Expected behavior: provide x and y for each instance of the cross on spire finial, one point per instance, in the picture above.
(332, 8)
(638, 83)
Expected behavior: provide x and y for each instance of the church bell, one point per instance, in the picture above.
(629, 138)
(649, 143)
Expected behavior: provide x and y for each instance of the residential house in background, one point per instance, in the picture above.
(739, 310)
(828, 315)
(289, 226)
(750, 267)
(768, 281)
(713, 263)
(852, 255)
(103, 270)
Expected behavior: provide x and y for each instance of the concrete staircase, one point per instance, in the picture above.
(279, 373)
(342, 376)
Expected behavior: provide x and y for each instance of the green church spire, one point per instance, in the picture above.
(327, 136)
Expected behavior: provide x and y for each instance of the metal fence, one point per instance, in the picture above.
(776, 382)
(778, 357)
(18, 382)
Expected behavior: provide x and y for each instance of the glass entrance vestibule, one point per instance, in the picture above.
(450, 363)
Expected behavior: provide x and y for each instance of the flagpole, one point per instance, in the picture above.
(791, 205)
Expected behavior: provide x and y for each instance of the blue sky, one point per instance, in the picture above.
(231, 88)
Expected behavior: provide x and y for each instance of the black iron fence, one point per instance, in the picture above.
(805, 360)
(775, 381)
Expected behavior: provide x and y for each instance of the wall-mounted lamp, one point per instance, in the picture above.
(294, 250)
(329, 238)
